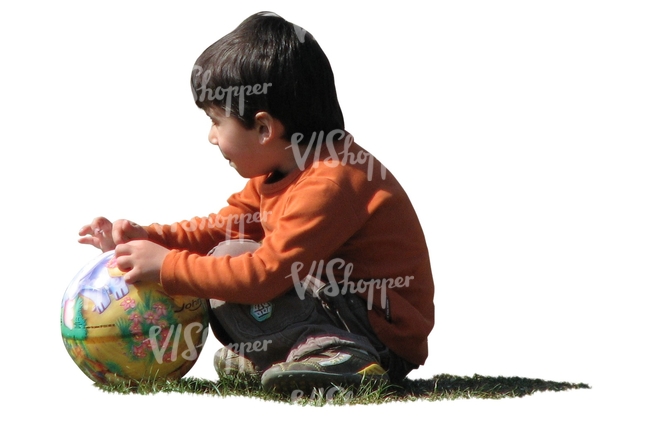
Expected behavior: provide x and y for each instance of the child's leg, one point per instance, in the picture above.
(287, 326)
(318, 340)
(352, 314)
(267, 333)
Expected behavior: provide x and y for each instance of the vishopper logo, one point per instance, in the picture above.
(229, 223)
(333, 393)
(225, 95)
(319, 140)
(165, 342)
(300, 32)
(346, 285)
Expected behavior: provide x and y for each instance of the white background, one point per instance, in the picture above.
(520, 130)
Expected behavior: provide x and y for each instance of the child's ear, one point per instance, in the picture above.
(268, 128)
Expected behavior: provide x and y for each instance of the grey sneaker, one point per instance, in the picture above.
(228, 362)
(340, 366)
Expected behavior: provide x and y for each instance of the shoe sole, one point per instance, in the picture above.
(305, 381)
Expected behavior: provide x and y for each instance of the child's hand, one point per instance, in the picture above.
(104, 235)
(99, 234)
(141, 260)
(125, 231)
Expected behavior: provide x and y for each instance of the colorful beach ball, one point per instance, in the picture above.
(117, 332)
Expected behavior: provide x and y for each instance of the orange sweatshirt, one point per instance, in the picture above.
(342, 216)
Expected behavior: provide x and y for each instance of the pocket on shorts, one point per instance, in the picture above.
(284, 313)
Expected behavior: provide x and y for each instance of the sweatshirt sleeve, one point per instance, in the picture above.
(239, 219)
(312, 221)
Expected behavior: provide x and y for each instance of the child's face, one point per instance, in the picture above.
(241, 147)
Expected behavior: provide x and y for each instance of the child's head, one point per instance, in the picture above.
(269, 64)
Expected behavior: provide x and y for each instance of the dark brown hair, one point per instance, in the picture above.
(269, 64)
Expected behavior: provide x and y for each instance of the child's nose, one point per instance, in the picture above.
(212, 137)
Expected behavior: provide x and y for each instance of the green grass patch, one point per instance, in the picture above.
(440, 387)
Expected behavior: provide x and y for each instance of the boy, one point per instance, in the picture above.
(339, 286)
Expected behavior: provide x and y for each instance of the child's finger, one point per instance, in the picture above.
(101, 225)
(124, 231)
(97, 226)
(89, 241)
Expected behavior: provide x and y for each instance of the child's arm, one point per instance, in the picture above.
(240, 219)
(308, 225)
(140, 251)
